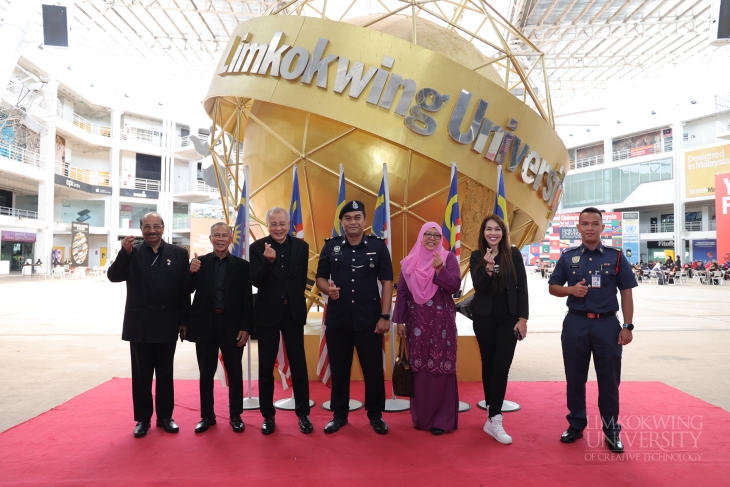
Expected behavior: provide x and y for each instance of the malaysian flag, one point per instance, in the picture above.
(323, 361)
(451, 227)
(500, 204)
(381, 227)
(296, 227)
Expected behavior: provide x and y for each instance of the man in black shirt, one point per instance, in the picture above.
(220, 318)
(156, 273)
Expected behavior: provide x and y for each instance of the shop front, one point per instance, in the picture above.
(15, 249)
(659, 250)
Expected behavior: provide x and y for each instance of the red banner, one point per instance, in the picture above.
(722, 216)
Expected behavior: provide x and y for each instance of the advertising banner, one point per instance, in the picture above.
(722, 216)
(17, 237)
(704, 250)
(701, 166)
(622, 231)
(79, 245)
(139, 193)
(201, 219)
(80, 185)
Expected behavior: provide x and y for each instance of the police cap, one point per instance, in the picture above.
(353, 205)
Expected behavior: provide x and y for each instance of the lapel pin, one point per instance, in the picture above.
(168, 261)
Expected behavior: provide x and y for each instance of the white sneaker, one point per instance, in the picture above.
(493, 427)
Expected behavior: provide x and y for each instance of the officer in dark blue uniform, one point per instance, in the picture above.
(348, 272)
(594, 273)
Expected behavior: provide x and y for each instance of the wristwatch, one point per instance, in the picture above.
(629, 326)
(385, 317)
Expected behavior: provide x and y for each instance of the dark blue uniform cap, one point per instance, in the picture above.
(353, 205)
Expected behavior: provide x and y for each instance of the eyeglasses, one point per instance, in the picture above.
(432, 236)
(278, 225)
(156, 227)
(220, 236)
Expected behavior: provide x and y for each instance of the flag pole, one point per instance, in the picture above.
(249, 402)
(393, 404)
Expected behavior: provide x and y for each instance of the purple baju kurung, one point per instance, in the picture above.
(431, 331)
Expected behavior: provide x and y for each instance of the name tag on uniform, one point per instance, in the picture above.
(596, 280)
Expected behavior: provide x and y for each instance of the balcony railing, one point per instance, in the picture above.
(183, 142)
(96, 178)
(656, 228)
(15, 212)
(91, 127)
(693, 226)
(147, 185)
(195, 187)
(181, 223)
(30, 158)
(701, 139)
(713, 225)
(143, 136)
(623, 154)
(587, 162)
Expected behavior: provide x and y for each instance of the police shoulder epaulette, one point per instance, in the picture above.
(617, 249)
(571, 248)
(331, 238)
(372, 235)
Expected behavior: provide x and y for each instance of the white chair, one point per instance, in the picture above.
(58, 271)
(654, 276)
(681, 278)
(42, 273)
(718, 278)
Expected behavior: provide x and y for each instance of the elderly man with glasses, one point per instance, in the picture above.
(279, 271)
(156, 273)
(220, 319)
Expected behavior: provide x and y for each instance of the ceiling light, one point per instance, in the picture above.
(618, 121)
(40, 46)
(571, 135)
(588, 130)
(91, 85)
(694, 102)
(126, 95)
(653, 112)
(159, 103)
(69, 68)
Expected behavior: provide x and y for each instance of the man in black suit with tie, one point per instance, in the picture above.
(220, 318)
(279, 271)
(157, 306)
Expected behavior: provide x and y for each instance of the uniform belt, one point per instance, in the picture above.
(591, 315)
(217, 311)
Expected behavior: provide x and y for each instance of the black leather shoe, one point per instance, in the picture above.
(305, 425)
(141, 429)
(268, 426)
(437, 431)
(237, 424)
(168, 425)
(614, 443)
(379, 426)
(204, 424)
(335, 425)
(571, 434)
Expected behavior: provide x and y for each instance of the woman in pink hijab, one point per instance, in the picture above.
(426, 318)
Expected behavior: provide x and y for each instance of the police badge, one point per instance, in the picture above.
(576, 259)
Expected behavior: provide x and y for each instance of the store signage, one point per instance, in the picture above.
(290, 63)
(660, 244)
(722, 216)
(17, 237)
(139, 193)
(80, 185)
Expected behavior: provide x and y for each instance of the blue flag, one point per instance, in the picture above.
(451, 227)
(337, 229)
(380, 217)
(240, 230)
(296, 226)
(500, 204)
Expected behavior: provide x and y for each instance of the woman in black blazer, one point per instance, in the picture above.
(500, 311)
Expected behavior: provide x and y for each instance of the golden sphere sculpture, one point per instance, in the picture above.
(319, 93)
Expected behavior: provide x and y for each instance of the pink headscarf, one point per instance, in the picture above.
(417, 269)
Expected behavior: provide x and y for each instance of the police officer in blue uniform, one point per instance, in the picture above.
(348, 272)
(594, 273)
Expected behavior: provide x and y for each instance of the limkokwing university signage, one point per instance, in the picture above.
(80, 185)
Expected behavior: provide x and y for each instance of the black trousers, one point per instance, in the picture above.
(497, 342)
(369, 345)
(150, 359)
(581, 337)
(207, 353)
(268, 338)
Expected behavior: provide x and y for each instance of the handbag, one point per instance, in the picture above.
(402, 374)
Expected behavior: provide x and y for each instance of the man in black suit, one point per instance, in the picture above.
(220, 318)
(157, 306)
(279, 271)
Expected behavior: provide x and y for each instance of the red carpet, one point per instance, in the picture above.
(671, 438)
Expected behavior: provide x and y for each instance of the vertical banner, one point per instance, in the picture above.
(79, 245)
(631, 236)
(722, 216)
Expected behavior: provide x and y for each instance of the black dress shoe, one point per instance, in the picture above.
(571, 434)
(614, 443)
(204, 424)
(268, 425)
(335, 425)
(141, 429)
(379, 426)
(305, 425)
(237, 424)
(437, 431)
(168, 425)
